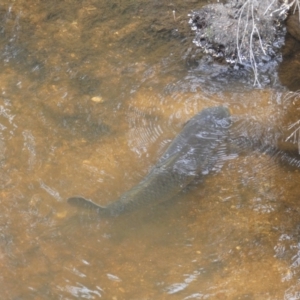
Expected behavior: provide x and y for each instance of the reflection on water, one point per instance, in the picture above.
(91, 94)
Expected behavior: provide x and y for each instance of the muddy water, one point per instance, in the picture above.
(92, 92)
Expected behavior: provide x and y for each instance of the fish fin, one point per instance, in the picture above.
(86, 203)
(167, 161)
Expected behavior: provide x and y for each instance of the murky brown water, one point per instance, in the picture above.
(92, 92)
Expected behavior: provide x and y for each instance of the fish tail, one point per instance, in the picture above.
(79, 201)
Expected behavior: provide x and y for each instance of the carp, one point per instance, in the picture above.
(193, 152)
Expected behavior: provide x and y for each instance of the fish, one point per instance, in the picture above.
(193, 152)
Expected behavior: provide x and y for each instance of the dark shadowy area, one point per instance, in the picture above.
(289, 69)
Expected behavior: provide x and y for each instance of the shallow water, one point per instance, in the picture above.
(92, 93)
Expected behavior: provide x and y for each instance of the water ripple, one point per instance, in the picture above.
(143, 130)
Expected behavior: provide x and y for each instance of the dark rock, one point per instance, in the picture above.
(242, 33)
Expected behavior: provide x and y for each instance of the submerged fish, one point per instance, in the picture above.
(194, 151)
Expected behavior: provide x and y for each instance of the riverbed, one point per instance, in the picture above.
(92, 93)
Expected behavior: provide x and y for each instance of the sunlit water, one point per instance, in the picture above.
(92, 93)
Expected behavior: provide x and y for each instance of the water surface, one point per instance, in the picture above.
(92, 93)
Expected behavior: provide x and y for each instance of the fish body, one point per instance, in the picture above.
(194, 151)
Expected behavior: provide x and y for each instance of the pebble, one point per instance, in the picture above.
(97, 99)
